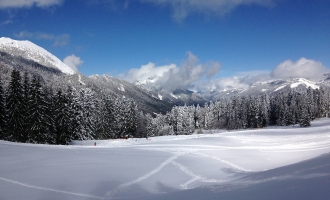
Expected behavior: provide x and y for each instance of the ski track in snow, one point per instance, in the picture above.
(50, 189)
(194, 176)
(177, 153)
(110, 194)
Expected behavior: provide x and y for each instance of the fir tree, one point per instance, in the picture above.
(2, 112)
(63, 118)
(15, 106)
(38, 120)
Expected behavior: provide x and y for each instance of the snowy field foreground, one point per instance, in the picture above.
(271, 163)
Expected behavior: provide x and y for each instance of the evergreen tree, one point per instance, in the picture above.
(85, 115)
(26, 99)
(304, 113)
(149, 127)
(63, 118)
(2, 112)
(15, 106)
(39, 130)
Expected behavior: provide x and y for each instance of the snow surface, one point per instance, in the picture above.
(121, 87)
(31, 51)
(279, 88)
(173, 95)
(307, 83)
(271, 163)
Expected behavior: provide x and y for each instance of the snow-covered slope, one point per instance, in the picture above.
(272, 86)
(30, 51)
(272, 163)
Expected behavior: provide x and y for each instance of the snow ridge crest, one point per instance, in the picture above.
(31, 51)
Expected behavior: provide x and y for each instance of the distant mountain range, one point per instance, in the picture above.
(28, 57)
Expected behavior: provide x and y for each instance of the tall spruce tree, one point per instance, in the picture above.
(15, 106)
(38, 121)
(26, 99)
(2, 112)
(63, 118)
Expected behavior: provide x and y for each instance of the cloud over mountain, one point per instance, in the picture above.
(302, 68)
(73, 62)
(171, 76)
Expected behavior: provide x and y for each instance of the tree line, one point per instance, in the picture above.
(36, 113)
(243, 112)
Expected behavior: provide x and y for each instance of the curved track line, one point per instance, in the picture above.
(49, 189)
(194, 176)
(224, 161)
(110, 194)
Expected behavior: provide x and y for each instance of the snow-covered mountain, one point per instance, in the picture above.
(181, 97)
(28, 57)
(267, 87)
(30, 51)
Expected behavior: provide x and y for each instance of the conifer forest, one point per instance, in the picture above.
(32, 112)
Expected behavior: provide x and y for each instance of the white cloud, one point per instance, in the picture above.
(73, 62)
(58, 40)
(149, 71)
(302, 68)
(182, 8)
(29, 3)
(171, 76)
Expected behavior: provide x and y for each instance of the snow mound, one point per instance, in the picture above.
(30, 51)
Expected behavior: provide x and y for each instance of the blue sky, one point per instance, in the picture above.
(217, 40)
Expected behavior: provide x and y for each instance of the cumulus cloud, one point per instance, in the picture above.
(73, 62)
(29, 3)
(172, 76)
(58, 40)
(182, 8)
(222, 83)
(147, 72)
(302, 68)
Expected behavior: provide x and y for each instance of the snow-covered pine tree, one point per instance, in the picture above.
(149, 127)
(244, 112)
(85, 114)
(304, 113)
(130, 112)
(15, 105)
(62, 118)
(102, 116)
(49, 114)
(253, 112)
(39, 130)
(141, 125)
(2, 112)
(310, 105)
(26, 99)
(207, 117)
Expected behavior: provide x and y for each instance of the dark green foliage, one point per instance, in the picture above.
(15, 107)
(2, 112)
(39, 124)
(63, 118)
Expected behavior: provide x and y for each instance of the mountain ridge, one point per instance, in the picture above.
(31, 51)
(27, 56)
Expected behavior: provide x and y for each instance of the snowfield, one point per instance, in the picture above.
(271, 163)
